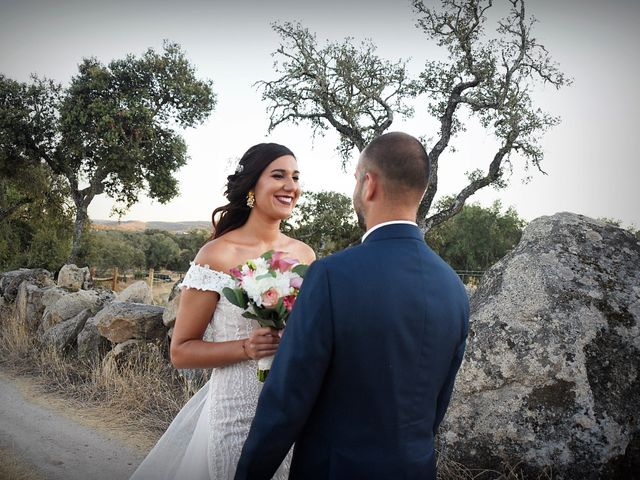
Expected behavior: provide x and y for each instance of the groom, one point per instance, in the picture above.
(366, 366)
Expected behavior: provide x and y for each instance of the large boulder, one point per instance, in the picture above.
(91, 345)
(52, 295)
(74, 278)
(551, 377)
(71, 304)
(137, 292)
(31, 302)
(65, 334)
(10, 281)
(122, 321)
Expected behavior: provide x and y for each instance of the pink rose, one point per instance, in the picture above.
(269, 298)
(295, 282)
(235, 272)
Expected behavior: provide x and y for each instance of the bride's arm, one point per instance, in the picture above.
(188, 350)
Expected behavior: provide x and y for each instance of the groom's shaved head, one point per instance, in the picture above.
(401, 161)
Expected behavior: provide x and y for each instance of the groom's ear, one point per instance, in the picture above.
(371, 185)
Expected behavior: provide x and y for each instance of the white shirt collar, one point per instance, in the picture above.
(384, 224)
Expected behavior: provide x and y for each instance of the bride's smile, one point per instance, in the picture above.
(277, 189)
(284, 199)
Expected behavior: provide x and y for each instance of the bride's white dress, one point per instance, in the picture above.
(205, 439)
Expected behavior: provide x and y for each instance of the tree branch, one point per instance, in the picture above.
(493, 174)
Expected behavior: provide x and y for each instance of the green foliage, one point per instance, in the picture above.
(189, 244)
(113, 128)
(36, 221)
(108, 249)
(477, 237)
(117, 121)
(156, 249)
(325, 221)
(162, 250)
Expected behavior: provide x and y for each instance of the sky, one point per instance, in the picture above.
(591, 158)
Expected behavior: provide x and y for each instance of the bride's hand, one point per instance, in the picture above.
(262, 342)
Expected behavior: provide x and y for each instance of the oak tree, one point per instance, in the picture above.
(112, 130)
(488, 75)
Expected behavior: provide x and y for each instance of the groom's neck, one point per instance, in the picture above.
(391, 215)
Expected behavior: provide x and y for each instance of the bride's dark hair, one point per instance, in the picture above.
(235, 213)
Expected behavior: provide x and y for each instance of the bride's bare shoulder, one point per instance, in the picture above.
(301, 251)
(218, 254)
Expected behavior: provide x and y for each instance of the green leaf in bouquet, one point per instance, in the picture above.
(250, 315)
(300, 269)
(281, 309)
(266, 313)
(267, 255)
(266, 275)
(236, 296)
(264, 322)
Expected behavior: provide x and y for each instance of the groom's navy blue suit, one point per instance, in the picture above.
(366, 366)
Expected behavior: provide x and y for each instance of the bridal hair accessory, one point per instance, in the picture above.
(239, 168)
(251, 199)
(266, 289)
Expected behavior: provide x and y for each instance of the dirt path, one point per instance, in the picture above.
(60, 442)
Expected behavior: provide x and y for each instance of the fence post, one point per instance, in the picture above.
(150, 279)
(115, 278)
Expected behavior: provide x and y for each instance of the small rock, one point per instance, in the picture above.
(10, 281)
(137, 292)
(74, 278)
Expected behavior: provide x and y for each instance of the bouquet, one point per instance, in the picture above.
(266, 288)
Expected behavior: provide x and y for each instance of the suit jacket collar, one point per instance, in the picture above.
(395, 230)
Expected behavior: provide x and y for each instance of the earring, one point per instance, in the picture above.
(251, 199)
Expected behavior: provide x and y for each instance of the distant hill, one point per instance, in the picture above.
(138, 226)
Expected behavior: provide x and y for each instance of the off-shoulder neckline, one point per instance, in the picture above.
(206, 266)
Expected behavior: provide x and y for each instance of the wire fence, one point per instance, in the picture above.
(468, 276)
(118, 280)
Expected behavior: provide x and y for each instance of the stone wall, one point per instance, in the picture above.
(71, 313)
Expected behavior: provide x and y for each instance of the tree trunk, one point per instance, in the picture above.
(81, 218)
(82, 199)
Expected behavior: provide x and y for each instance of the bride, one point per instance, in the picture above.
(205, 439)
